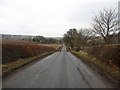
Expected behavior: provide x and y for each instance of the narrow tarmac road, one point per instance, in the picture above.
(59, 70)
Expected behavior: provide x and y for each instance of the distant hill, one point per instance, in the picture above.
(58, 38)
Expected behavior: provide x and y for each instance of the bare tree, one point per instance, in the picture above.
(86, 33)
(73, 39)
(105, 23)
(69, 37)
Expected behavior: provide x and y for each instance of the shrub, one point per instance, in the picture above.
(109, 54)
(12, 52)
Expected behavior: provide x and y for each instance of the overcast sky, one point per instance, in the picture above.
(48, 17)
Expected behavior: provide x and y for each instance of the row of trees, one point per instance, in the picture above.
(77, 39)
(105, 25)
(44, 40)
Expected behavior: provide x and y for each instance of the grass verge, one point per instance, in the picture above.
(107, 69)
(7, 68)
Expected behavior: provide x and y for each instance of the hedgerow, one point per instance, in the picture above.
(12, 52)
(109, 54)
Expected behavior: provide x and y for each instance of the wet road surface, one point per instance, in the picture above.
(59, 70)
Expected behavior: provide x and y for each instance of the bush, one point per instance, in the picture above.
(109, 54)
(12, 52)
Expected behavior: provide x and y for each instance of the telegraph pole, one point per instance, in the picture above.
(119, 15)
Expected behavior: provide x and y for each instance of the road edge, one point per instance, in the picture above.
(100, 71)
(32, 61)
